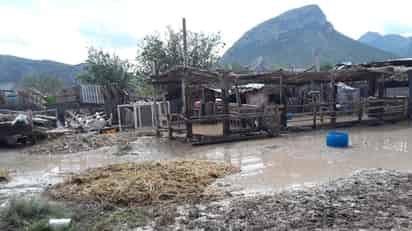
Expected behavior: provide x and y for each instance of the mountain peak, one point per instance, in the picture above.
(394, 43)
(291, 39)
(310, 15)
(370, 36)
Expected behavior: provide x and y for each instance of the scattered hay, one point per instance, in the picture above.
(142, 183)
(4, 176)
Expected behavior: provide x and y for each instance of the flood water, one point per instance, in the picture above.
(291, 160)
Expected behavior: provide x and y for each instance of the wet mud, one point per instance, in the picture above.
(293, 160)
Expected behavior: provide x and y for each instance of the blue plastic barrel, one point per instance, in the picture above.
(337, 139)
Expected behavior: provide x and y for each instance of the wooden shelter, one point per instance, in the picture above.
(186, 87)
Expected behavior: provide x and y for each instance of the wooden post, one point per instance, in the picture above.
(371, 87)
(135, 116)
(139, 111)
(284, 114)
(184, 42)
(119, 118)
(238, 99)
(183, 88)
(314, 112)
(153, 115)
(381, 89)
(281, 89)
(203, 102)
(410, 93)
(187, 108)
(334, 98)
(225, 96)
(360, 111)
(169, 126)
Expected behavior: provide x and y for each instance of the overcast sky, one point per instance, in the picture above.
(62, 30)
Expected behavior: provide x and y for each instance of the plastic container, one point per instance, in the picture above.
(337, 139)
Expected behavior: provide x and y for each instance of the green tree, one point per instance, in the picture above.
(107, 70)
(203, 50)
(46, 84)
(326, 67)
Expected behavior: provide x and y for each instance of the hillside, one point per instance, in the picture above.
(397, 44)
(13, 69)
(293, 38)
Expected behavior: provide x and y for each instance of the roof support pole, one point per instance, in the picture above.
(187, 108)
(410, 93)
(334, 98)
(225, 98)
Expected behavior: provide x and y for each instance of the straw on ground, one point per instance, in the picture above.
(143, 183)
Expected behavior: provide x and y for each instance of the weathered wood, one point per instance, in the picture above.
(314, 114)
(187, 102)
(410, 94)
(185, 61)
(372, 87)
(119, 118)
(334, 100)
(135, 116)
(139, 111)
(225, 98)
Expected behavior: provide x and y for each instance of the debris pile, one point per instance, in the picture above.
(15, 127)
(88, 123)
(368, 200)
(143, 183)
(79, 142)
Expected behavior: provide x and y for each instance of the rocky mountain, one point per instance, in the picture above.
(294, 39)
(397, 44)
(13, 69)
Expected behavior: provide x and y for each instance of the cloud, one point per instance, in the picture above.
(102, 36)
(63, 29)
(17, 3)
(13, 40)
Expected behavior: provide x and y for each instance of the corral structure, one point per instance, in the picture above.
(210, 106)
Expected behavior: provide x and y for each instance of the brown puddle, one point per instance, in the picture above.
(294, 159)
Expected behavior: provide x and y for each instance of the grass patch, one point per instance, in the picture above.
(122, 219)
(31, 214)
(142, 184)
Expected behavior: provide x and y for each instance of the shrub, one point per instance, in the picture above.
(30, 214)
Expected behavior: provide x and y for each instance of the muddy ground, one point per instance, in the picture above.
(298, 159)
(373, 199)
(370, 199)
